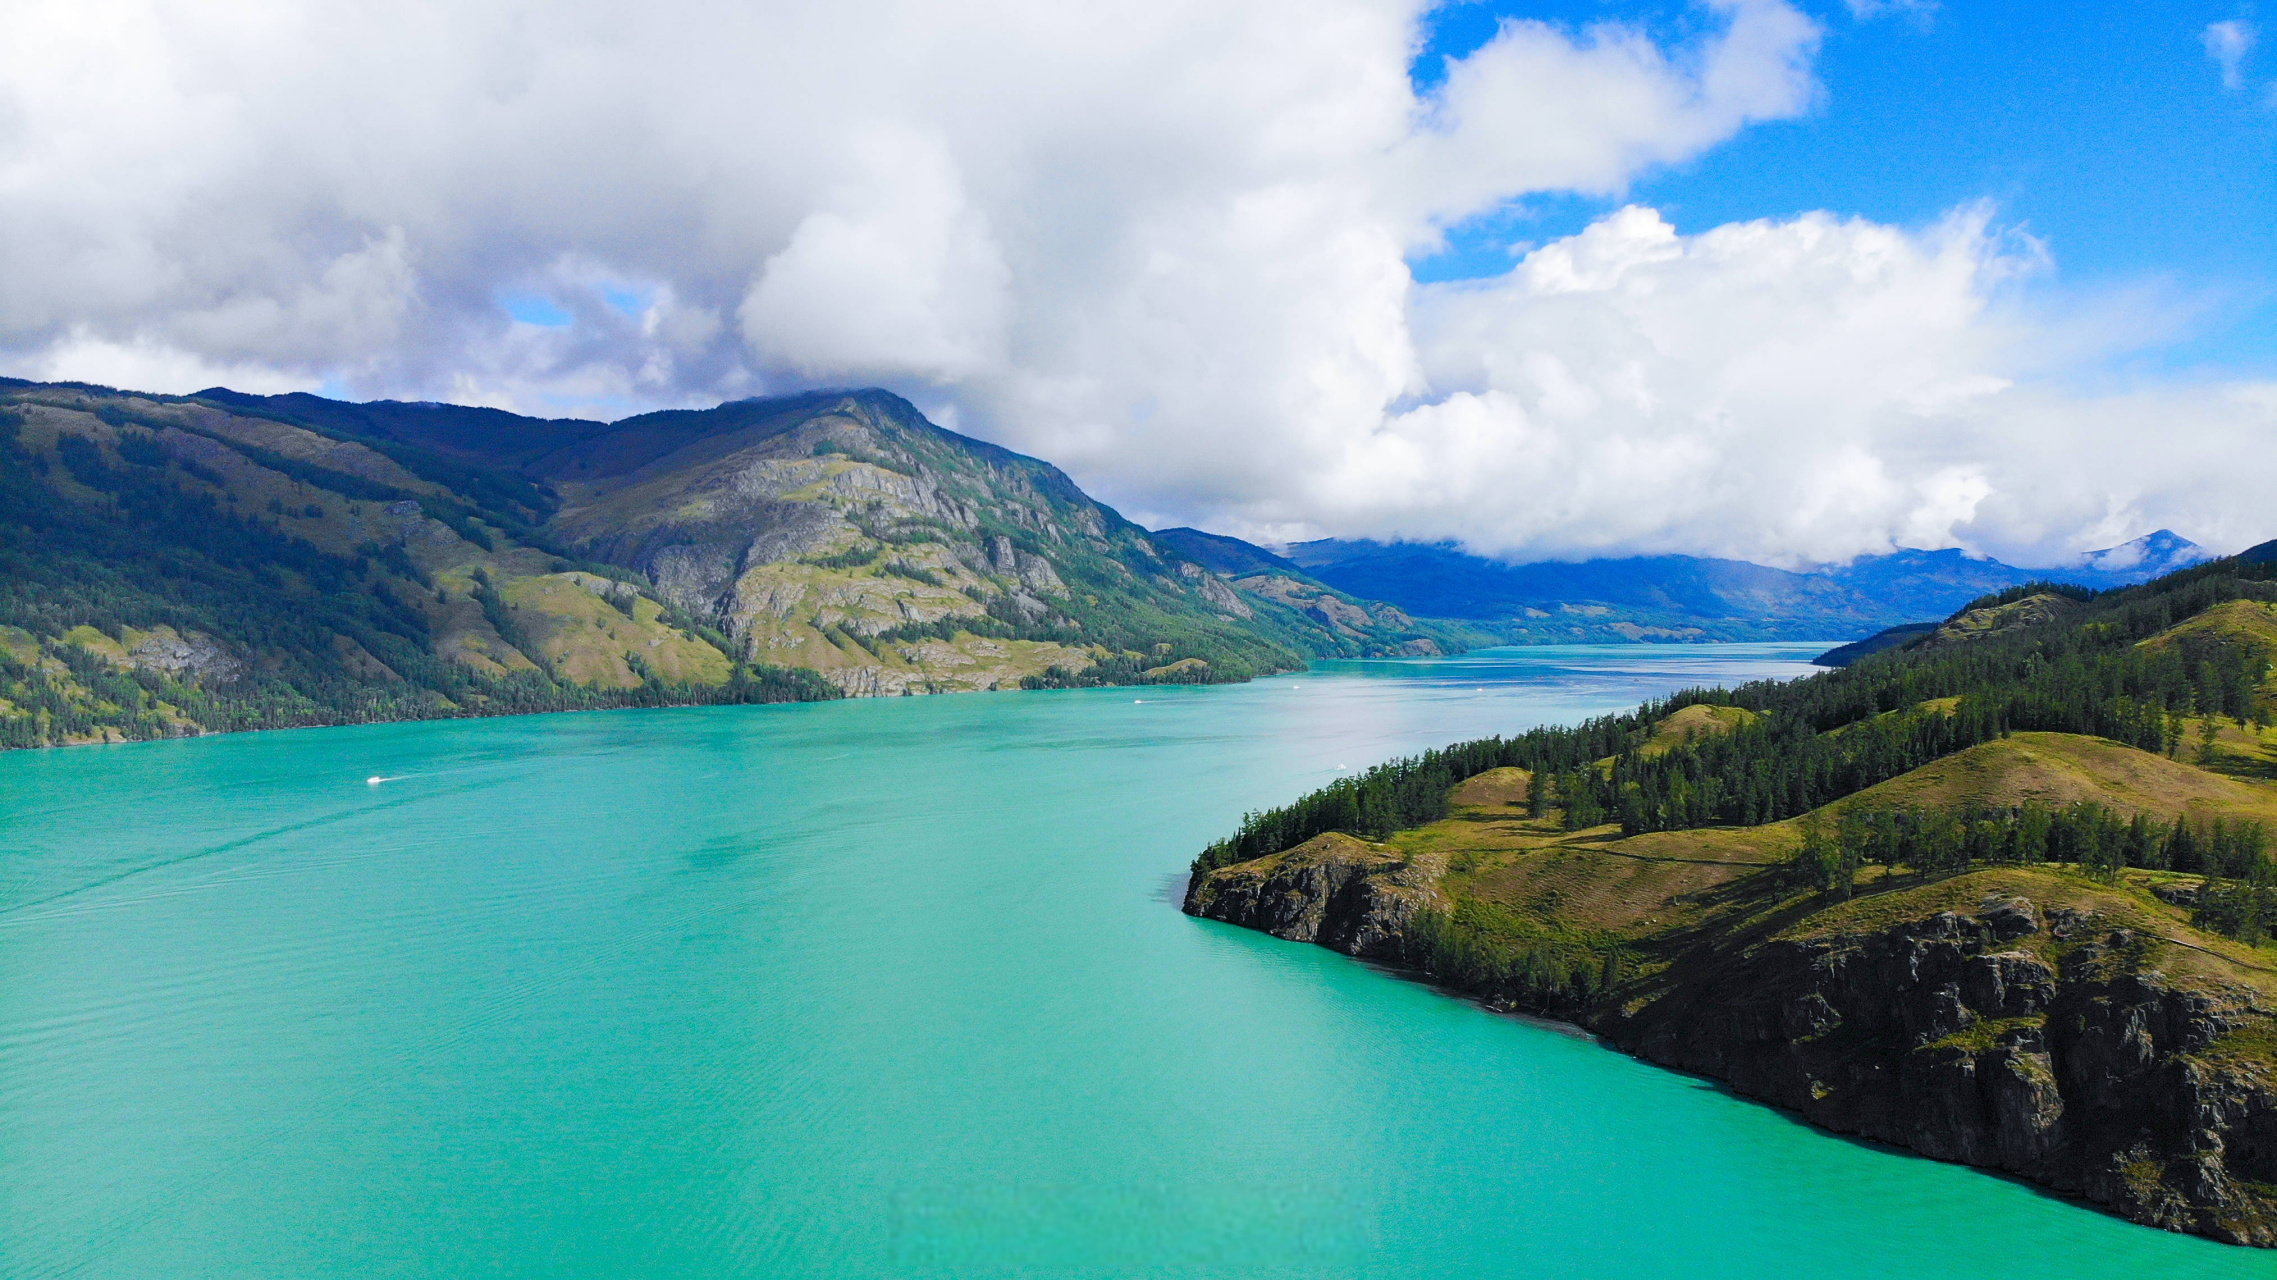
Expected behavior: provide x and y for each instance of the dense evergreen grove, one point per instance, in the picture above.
(1413, 791)
(2101, 841)
(2085, 677)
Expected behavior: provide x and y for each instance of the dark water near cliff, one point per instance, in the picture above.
(874, 988)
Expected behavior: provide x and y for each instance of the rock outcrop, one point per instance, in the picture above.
(2038, 1044)
(1997, 1040)
(1344, 894)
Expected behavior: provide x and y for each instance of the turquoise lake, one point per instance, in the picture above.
(878, 988)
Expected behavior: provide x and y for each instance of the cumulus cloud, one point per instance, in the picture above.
(2227, 43)
(901, 275)
(1165, 246)
(1786, 391)
(143, 365)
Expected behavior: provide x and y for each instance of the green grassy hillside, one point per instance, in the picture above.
(184, 564)
(2131, 728)
(166, 568)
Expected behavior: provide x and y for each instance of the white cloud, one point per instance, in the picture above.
(1921, 11)
(1162, 245)
(900, 276)
(1786, 391)
(141, 365)
(2227, 43)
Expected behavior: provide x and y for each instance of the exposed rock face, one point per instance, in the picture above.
(1213, 589)
(1332, 889)
(1981, 1039)
(195, 654)
(1992, 1037)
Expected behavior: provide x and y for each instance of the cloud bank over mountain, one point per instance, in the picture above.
(1165, 247)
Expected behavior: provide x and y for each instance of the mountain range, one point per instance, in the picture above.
(1676, 597)
(183, 564)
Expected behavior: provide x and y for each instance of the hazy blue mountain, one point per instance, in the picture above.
(2147, 557)
(1918, 586)
(1699, 598)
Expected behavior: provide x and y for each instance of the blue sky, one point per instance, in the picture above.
(2103, 130)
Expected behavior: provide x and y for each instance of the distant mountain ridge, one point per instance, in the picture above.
(2150, 556)
(1676, 597)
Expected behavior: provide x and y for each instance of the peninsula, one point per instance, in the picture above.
(2000, 894)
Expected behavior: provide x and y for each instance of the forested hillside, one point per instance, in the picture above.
(2176, 668)
(174, 565)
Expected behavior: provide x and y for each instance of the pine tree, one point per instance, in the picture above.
(2144, 848)
(2182, 847)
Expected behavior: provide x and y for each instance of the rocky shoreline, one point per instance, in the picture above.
(2035, 1039)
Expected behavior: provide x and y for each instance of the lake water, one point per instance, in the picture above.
(881, 988)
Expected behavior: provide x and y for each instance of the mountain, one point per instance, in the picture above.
(1229, 556)
(181, 564)
(1384, 629)
(2150, 556)
(1842, 655)
(2000, 894)
(1695, 598)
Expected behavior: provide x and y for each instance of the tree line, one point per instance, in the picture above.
(2100, 840)
(2088, 677)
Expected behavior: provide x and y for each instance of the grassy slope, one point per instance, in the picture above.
(335, 584)
(2241, 751)
(354, 563)
(1661, 896)
(1693, 723)
(2059, 769)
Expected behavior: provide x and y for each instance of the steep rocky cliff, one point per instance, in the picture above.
(1340, 892)
(2052, 1047)
(2023, 1019)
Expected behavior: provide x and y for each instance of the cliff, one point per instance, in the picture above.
(1334, 890)
(2066, 1047)
(2024, 1019)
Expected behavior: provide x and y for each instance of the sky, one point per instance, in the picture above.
(1785, 280)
